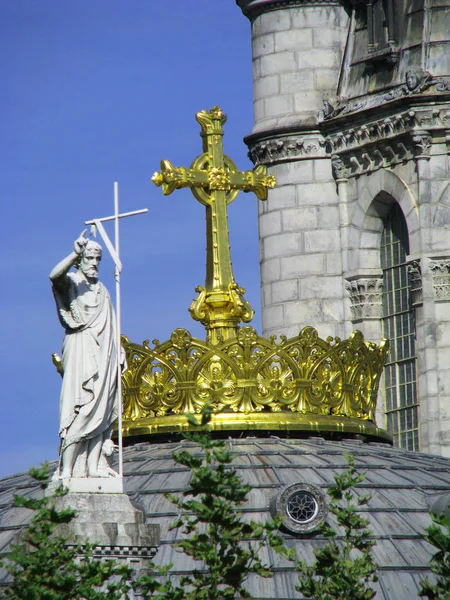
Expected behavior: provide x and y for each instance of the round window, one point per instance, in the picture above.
(302, 507)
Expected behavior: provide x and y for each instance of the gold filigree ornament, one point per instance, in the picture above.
(250, 382)
(219, 179)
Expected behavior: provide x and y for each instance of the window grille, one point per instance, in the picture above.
(399, 328)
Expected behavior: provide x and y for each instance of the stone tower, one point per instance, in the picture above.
(297, 56)
(352, 115)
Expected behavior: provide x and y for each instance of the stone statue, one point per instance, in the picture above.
(88, 404)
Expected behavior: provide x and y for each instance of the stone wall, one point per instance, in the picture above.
(297, 54)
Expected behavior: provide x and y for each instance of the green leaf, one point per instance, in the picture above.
(192, 420)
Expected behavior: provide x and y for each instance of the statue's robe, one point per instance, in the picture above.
(88, 404)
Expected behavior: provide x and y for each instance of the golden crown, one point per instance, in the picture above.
(250, 382)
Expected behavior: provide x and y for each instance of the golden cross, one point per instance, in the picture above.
(215, 182)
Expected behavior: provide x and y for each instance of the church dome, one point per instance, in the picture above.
(402, 486)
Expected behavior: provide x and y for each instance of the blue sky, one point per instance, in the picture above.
(97, 91)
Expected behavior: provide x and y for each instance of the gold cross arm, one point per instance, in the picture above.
(214, 179)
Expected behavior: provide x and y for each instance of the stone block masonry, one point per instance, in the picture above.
(299, 224)
(297, 54)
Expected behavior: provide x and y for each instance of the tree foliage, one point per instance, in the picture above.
(344, 567)
(438, 535)
(44, 567)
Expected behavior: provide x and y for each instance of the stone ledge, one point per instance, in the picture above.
(89, 485)
(108, 521)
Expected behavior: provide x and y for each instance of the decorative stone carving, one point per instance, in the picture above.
(442, 85)
(338, 168)
(375, 157)
(415, 275)
(389, 141)
(374, 132)
(283, 149)
(343, 108)
(440, 270)
(252, 8)
(413, 79)
(417, 82)
(422, 141)
(366, 298)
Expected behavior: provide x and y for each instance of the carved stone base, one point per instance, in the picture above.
(112, 524)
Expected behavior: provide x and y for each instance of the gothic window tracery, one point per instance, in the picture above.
(399, 327)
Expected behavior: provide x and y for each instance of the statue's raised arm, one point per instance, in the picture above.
(65, 265)
(88, 404)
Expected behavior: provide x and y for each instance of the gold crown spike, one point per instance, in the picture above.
(215, 182)
(301, 383)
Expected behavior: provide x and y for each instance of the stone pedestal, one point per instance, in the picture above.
(112, 524)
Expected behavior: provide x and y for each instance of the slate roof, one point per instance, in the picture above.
(402, 484)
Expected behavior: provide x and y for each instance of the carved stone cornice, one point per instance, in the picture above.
(360, 137)
(125, 552)
(253, 8)
(388, 129)
(383, 143)
(286, 148)
(418, 84)
(366, 296)
(372, 157)
(440, 271)
(415, 277)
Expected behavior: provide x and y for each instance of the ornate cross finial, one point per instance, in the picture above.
(215, 182)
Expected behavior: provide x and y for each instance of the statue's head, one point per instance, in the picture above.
(412, 79)
(89, 260)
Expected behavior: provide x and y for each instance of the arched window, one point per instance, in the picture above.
(399, 327)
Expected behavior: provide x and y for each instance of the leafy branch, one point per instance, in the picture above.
(438, 535)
